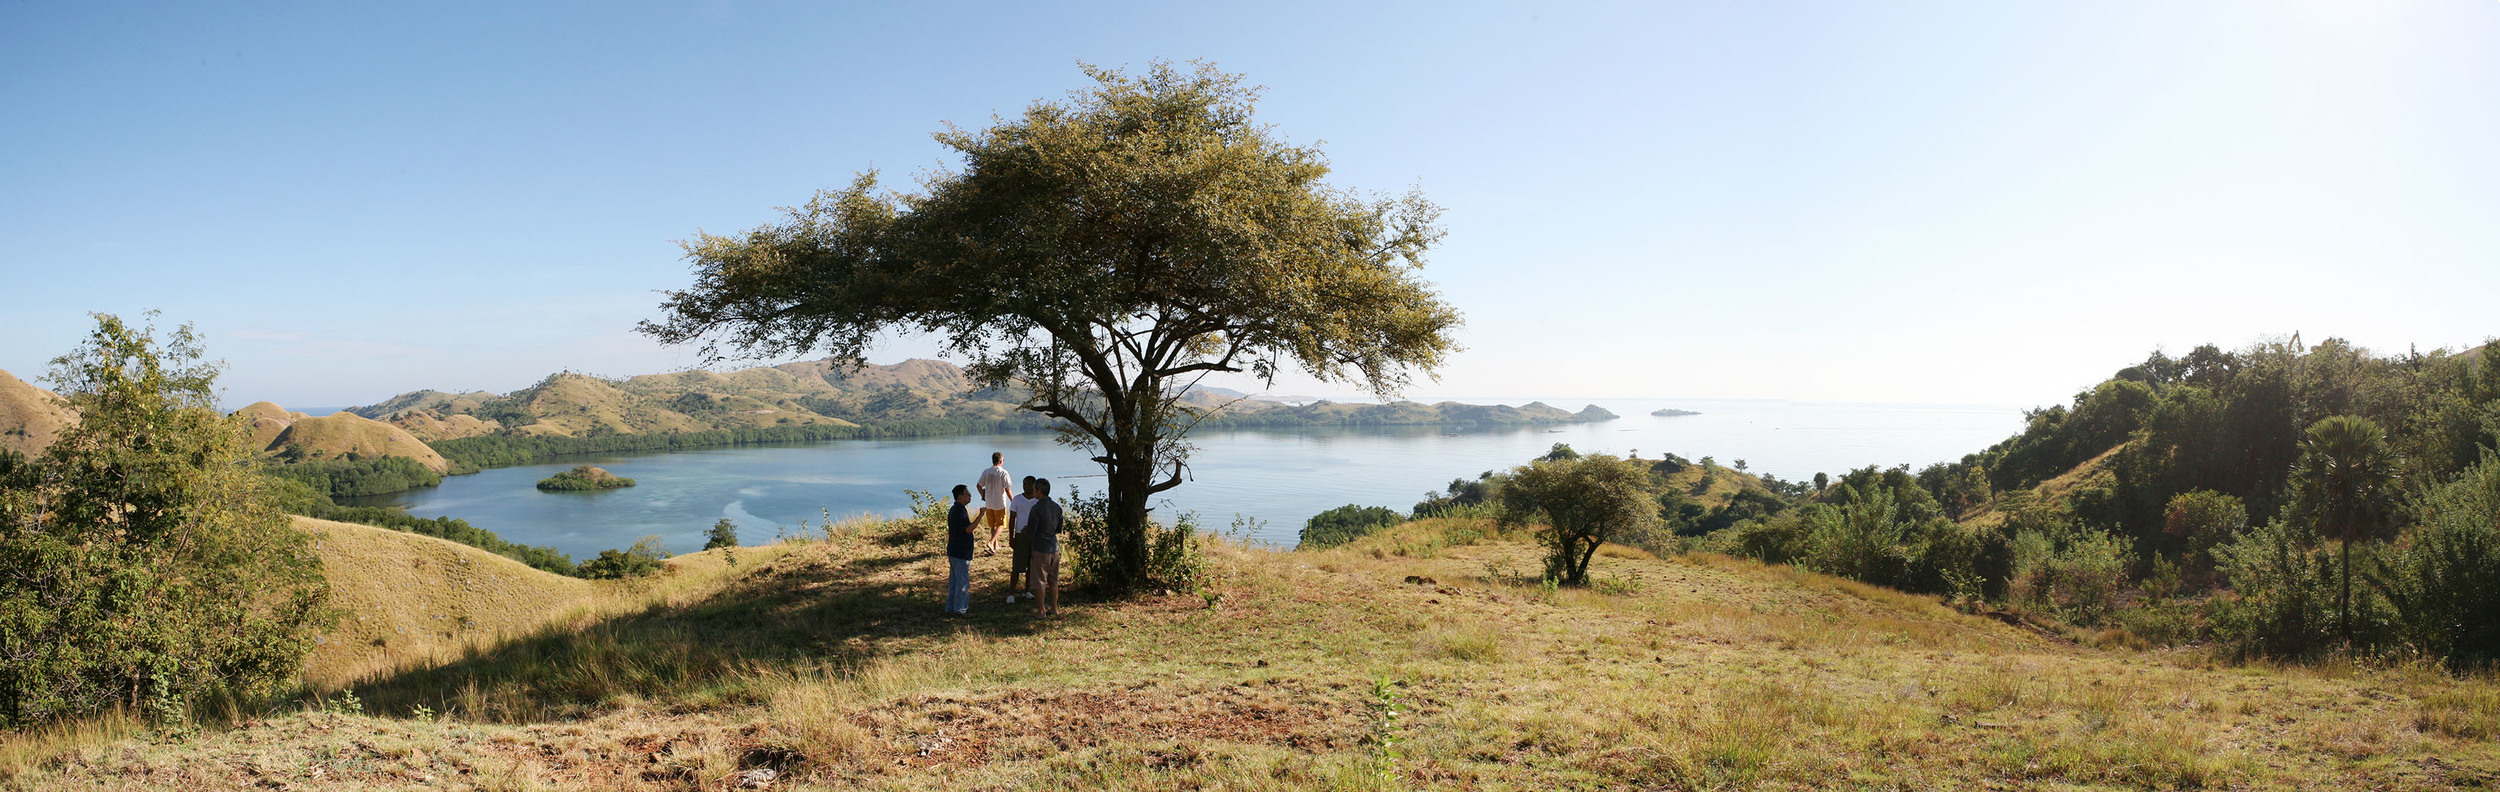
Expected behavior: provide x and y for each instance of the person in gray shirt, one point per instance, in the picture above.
(1041, 527)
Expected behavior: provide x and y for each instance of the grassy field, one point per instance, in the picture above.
(1402, 661)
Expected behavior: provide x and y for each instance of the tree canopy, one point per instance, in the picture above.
(146, 566)
(1100, 255)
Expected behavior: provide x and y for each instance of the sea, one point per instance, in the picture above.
(1260, 484)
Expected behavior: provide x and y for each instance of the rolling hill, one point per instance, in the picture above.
(819, 393)
(295, 436)
(30, 416)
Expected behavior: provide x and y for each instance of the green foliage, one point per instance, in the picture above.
(1175, 557)
(725, 534)
(340, 478)
(2198, 522)
(1559, 453)
(1345, 524)
(2445, 582)
(142, 563)
(583, 478)
(295, 497)
(2282, 593)
(643, 558)
(1102, 254)
(2071, 571)
(2345, 486)
(1584, 502)
(1864, 539)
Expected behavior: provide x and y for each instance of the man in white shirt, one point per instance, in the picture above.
(995, 485)
(1018, 544)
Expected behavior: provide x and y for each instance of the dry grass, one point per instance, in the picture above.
(30, 416)
(826, 664)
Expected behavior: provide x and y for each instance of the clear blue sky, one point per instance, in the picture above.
(1856, 201)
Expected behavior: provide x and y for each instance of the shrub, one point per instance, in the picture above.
(2282, 593)
(2445, 582)
(1175, 555)
(2197, 522)
(1860, 540)
(641, 559)
(725, 534)
(1345, 524)
(2074, 573)
(146, 565)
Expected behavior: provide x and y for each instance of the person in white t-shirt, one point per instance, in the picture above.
(995, 486)
(1019, 546)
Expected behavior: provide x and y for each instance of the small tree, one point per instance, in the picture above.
(1097, 256)
(1585, 502)
(142, 563)
(2343, 483)
(722, 534)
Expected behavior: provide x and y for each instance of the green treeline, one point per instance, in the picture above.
(472, 454)
(296, 496)
(2280, 500)
(349, 478)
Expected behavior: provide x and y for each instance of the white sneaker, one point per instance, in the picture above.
(1011, 599)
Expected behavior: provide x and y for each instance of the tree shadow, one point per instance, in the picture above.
(807, 611)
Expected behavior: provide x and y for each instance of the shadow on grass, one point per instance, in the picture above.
(807, 611)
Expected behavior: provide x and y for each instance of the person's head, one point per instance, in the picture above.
(1041, 488)
(998, 457)
(963, 494)
(1028, 486)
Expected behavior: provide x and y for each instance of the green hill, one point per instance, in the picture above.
(1402, 661)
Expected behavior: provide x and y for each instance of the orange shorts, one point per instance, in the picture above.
(994, 518)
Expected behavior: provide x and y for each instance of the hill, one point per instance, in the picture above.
(30, 416)
(819, 393)
(293, 436)
(415, 600)
(1414, 659)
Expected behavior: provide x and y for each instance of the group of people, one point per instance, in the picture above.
(1031, 521)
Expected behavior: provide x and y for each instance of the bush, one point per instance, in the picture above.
(2197, 522)
(1345, 524)
(146, 566)
(1175, 555)
(2445, 582)
(2075, 573)
(2283, 590)
(642, 559)
(1861, 540)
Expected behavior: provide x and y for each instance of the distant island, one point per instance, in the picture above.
(582, 479)
(1669, 412)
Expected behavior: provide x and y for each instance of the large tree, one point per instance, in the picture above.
(1585, 502)
(1100, 255)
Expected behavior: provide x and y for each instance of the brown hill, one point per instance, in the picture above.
(30, 416)
(413, 599)
(337, 435)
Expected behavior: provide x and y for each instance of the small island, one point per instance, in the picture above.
(1669, 412)
(582, 479)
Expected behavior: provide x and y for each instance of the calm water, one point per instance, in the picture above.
(1282, 477)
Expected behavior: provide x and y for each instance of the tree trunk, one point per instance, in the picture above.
(1131, 481)
(2346, 607)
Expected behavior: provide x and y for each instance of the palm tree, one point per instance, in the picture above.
(2344, 480)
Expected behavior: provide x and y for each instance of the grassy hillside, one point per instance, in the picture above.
(415, 600)
(30, 416)
(338, 435)
(1397, 662)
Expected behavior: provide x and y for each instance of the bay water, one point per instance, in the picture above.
(1274, 478)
